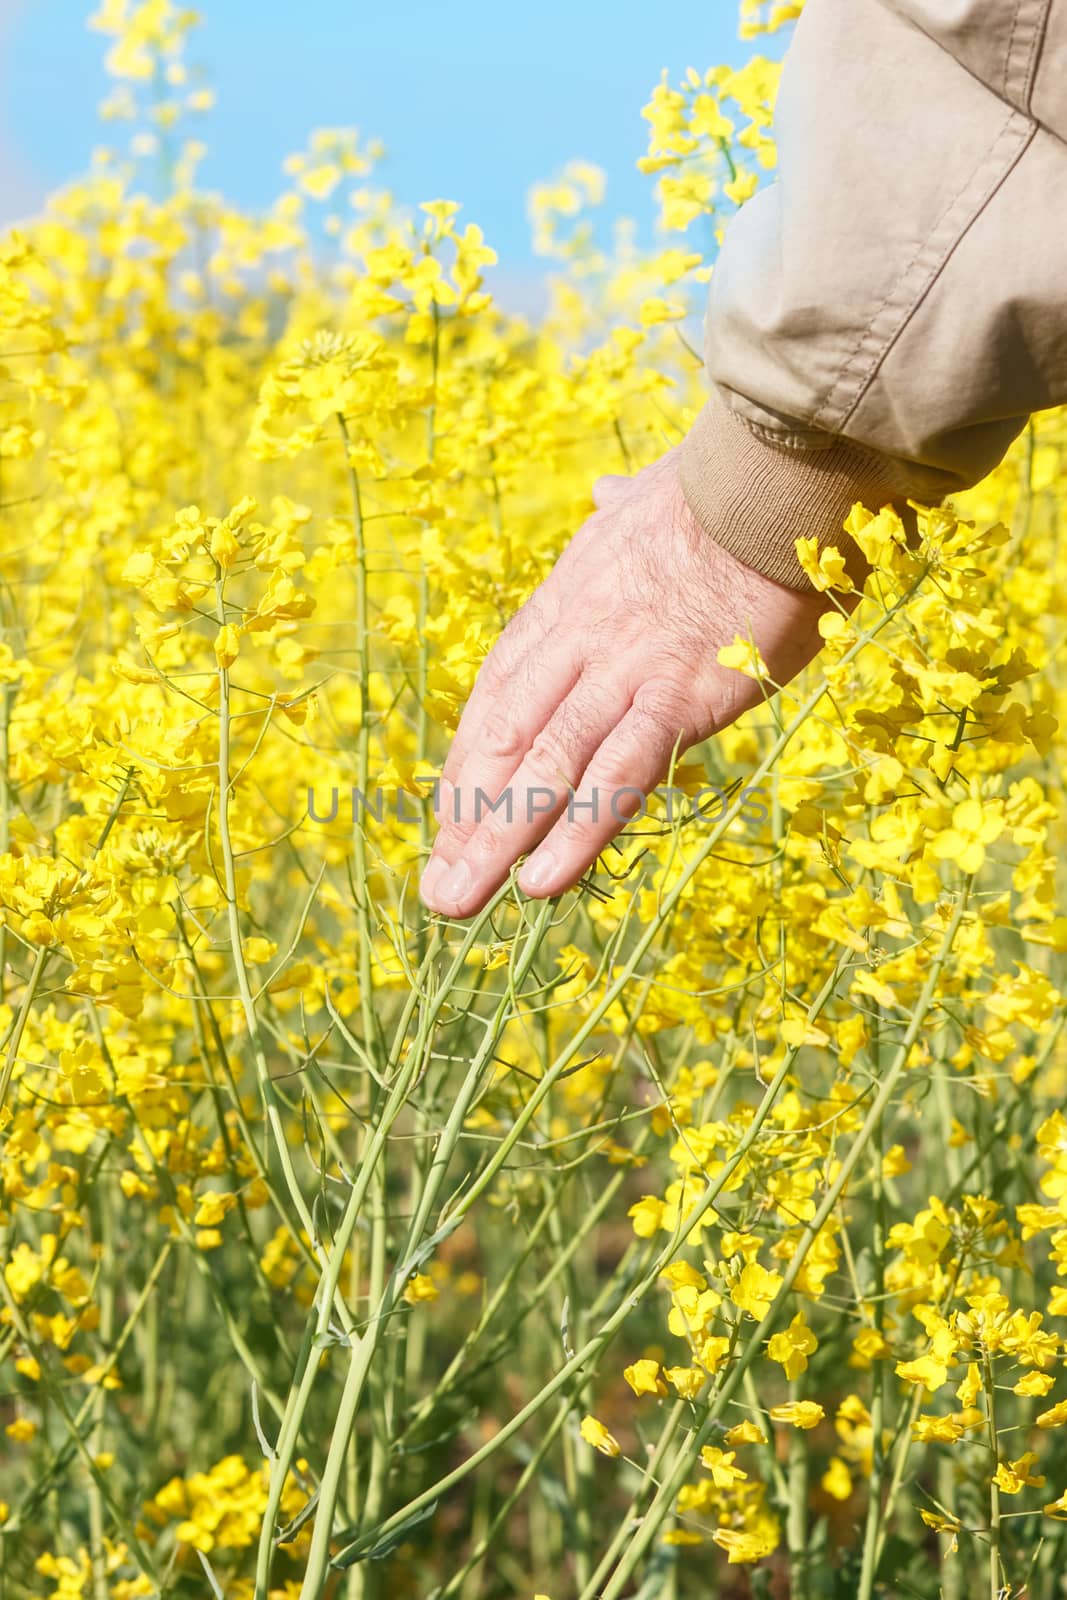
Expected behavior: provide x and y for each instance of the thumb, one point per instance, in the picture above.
(610, 489)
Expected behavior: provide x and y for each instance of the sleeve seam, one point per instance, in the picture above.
(892, 315)
(899, 475)
(1038, 31)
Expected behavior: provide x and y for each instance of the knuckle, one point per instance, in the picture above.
(502, 736)
(618, 792)
(613, 770)
(494, 670)
(605, 802)
(577, 836)
(527, 623)
(507, 644)
(547, 761)
(479, 808)
(453, 835)
(488, 839)
(665, 706)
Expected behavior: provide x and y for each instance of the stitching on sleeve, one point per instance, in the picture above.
(1038, 33)
(913, 283)
(1037, 13)
(1010, 52)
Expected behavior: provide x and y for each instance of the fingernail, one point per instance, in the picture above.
(538, 872)
(455, 884)
(445, 800)
(431, 878)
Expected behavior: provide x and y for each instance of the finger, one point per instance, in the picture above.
(609, 489)
(622, 773)
(535, 794)
(498, 729)
(502, 730)
(524, 633)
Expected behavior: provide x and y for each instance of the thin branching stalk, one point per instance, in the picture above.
(673, 1481)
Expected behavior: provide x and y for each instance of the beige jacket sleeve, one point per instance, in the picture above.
(884, 317)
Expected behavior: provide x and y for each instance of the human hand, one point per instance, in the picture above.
(607, 670)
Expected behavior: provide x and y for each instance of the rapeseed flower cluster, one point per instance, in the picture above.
(712, 1217)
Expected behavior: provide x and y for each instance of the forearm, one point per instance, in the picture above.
(884, 318)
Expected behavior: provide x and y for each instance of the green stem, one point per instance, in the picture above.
(29, 994)
(873, 1524)
(672, 1484)
(363, 1350)
(994, 1491)
(588, 1352)
(797, 1518)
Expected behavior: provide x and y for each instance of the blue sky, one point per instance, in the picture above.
(475, 100)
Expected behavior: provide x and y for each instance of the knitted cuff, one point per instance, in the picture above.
(756, 497)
